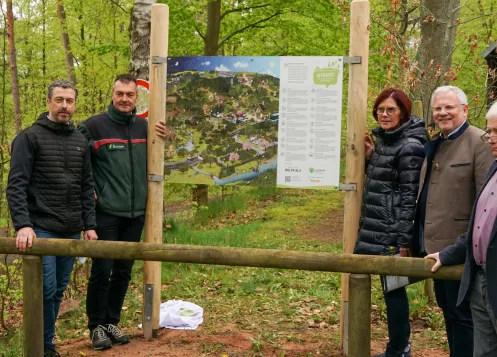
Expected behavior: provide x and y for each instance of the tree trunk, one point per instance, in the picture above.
(13, 69)
(140, 38)
(3, 159)
(200, 194)
(44, 38)
(211, 41)
(61, 14)
(438, 31)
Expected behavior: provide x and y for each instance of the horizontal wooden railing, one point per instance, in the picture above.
(361, 266)
(252, 257)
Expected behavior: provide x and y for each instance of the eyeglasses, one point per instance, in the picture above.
(447, 108)
(389, 111)
(490, 135)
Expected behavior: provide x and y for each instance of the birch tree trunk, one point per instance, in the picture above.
(61, 14)
(140, 38)
(13, 68)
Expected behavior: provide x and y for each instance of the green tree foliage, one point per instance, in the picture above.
(99, 34)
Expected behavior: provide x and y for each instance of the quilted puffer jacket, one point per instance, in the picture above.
(392, 180)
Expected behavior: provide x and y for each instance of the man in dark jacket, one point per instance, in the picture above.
(118, 143)
(475, 248)
(50, 193)
(453, 173)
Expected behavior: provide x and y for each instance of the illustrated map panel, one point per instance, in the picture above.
(225, 112)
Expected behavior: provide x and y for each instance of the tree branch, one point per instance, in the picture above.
(227, 38)
(242, 9)
(460, 7)
(474, 18)
(199, 32)
(119, 6)
(405, 18)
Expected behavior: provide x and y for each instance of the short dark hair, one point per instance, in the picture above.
(126, 78)
(61, 83)
(401, 99)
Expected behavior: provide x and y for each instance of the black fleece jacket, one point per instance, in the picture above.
(50, 180)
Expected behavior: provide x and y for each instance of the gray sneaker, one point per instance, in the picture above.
(99, 338)
(116, 335)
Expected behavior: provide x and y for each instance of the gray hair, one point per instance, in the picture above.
(444, 89)
(492, 112)
(61, 83)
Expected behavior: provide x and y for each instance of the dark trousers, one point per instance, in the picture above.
(458, 320)
(483, 317)
(399, 328)
(109, 278)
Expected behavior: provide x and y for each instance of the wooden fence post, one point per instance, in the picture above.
(32, 286)
(359, 327)
(417, 109)
(155, 165)
(356, 130)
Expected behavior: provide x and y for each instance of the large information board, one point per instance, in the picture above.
(262, 121)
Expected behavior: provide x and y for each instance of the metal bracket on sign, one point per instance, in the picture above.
(159, 59)
(347, 187)
(148, 310)
(155, 178)
(352, 60)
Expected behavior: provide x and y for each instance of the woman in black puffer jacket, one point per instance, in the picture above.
(389, 199)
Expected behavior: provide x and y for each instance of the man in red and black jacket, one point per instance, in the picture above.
(118, 145)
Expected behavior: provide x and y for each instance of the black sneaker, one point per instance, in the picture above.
(406, 353)
(116, 336)
(51, 353)
(99, 338)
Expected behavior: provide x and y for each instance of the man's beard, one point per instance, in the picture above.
(60, 119)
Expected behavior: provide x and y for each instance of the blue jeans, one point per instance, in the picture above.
(56, 275)
(458, 320)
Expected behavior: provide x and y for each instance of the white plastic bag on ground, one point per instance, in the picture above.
(180, 315)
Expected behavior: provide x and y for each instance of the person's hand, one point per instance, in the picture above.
(405, 252)
(24, 239)
(369, 146)
(90, 235)
(163, 131)
(95, 195)
(438, 264)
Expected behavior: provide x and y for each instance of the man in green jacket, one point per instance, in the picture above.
(118, 147)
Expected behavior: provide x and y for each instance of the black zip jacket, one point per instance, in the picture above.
(50, 180)
(118, 147)
(390, 190)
